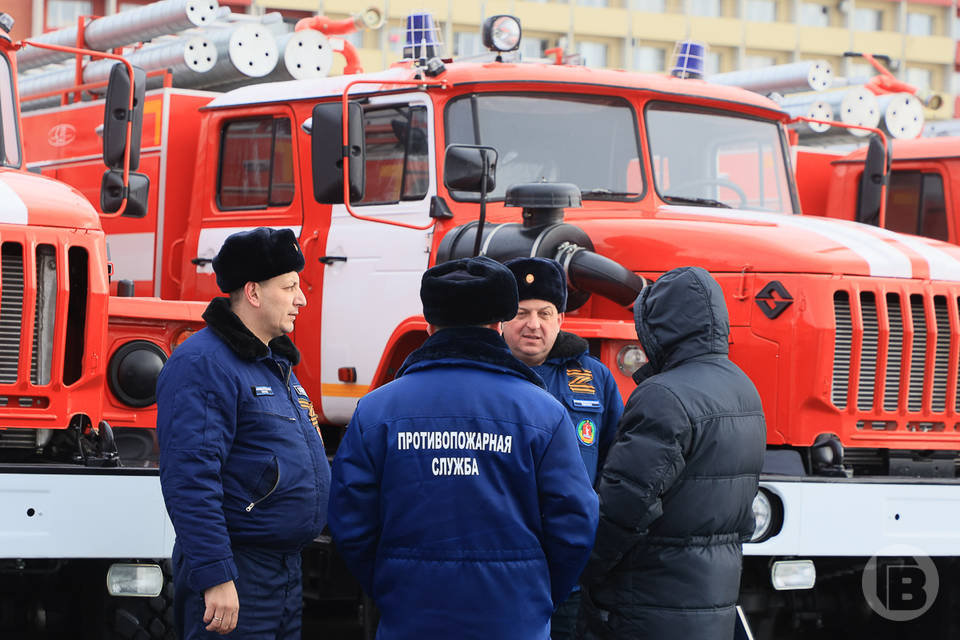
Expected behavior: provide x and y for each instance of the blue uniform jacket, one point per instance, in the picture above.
(459, 500)
(587, 389)
(241, 457)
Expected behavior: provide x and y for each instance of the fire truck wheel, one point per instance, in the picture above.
(144, 618)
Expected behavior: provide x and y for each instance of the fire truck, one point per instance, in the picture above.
(84, 530)
(849, 332)
(921, 195)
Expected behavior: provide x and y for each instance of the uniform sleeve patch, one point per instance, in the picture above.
(262, 391)
(586, 431)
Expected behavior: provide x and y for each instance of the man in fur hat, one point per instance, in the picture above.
(582, 384)
(458, 498)
(243, 470)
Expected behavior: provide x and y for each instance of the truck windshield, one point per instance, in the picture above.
(9, 140)
(715, 159)
(590, 141)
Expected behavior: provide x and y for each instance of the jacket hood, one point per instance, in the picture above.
(476, 344)
(680, 316)
(229, 328)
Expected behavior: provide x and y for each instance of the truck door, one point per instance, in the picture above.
(371, 280)
(252, 181)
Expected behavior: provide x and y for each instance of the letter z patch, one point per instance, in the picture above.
(580, 381)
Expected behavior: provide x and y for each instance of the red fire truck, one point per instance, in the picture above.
(82, 515)
(850, 333)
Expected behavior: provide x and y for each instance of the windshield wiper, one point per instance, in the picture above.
(608, 193)
(703, 202)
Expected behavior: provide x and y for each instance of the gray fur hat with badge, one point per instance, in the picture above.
(256, 255)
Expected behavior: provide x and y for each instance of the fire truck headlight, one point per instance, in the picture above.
(787, 575)
(630, 358)
(501, 33)
(133, 371)
(141, 580)
(768, 514)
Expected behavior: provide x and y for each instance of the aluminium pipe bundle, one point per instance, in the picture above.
(121, 29)
(783, 78)
(186, 58)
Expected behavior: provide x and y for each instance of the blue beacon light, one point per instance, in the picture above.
(421, 37)
(688, 58)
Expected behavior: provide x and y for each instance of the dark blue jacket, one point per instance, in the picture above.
(677, 488)
(459, 500)
(241, 457)
(587, 389)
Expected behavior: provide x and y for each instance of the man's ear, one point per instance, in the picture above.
(431, 329)
(251, 293)
(560, 321)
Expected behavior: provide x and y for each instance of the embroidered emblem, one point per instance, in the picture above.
(581, 381)
(586, 431)
(529, 278)
(299, 390)
(262, 391)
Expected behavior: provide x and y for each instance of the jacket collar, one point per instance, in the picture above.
(229, 328)
(567, 346)
(474, 344)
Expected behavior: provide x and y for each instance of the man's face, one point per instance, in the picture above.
(280, 302)
(531, 334)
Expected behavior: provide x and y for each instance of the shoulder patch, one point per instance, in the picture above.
(586, 431)
(581, 381)
(262, 391)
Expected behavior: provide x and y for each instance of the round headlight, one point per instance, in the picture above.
(630, 358)
(763, 515)
(501, 33)
(133, 372)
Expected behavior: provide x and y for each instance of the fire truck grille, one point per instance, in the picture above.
(11, 309)
(901, 352)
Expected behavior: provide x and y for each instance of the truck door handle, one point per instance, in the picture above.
(332, 259)
(201, 261)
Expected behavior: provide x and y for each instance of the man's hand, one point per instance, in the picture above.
(222, 607)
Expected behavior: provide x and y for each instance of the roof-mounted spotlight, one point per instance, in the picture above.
(501, 33)
(688, 59)
(6, 22)
(422, 38)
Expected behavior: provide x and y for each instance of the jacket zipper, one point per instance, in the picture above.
(250, 506)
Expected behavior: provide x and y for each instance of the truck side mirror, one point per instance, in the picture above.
(111, 193)
(326, 151)
(465, 166)
(875, 170)
(117, 112)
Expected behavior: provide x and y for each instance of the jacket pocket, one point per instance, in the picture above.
(257, 478)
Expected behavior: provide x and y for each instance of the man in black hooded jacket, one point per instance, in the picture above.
(677, 488)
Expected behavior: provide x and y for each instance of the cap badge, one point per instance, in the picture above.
(529, 278)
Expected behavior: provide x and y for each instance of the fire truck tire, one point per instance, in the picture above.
(144, 618)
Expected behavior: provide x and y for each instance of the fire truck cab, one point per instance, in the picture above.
(850, 333)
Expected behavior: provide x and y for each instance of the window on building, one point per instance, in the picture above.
(649, 6)
(397, 153)
(593, 3)
(919, 24)
(64, 13)
(705, 8)
(355, 38)
(867, 20)
(256, 164)
(761, 11)
(814, 15)
(915, 204)
(713, 62)
(533, 47)
(920, 78)
(467, 43)
(649, 59)
(594, 54)
(758, 61)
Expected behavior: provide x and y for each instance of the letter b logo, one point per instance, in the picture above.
(902, 587)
